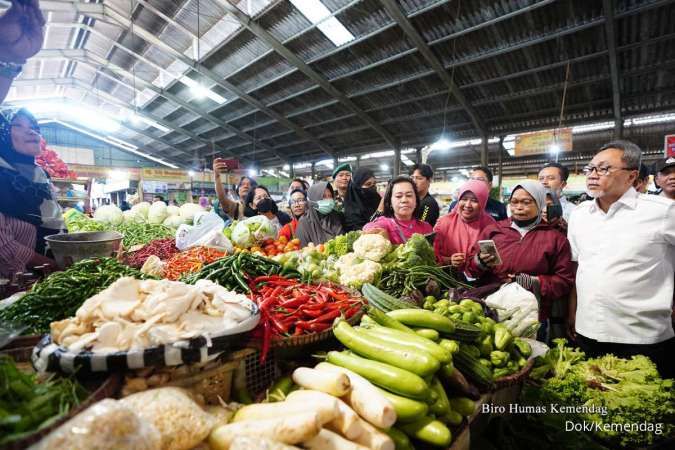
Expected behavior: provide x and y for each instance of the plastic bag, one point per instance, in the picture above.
(208, 232)
(108, 424)
(255, 229)
(513, 295)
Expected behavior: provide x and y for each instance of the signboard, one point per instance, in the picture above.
(169, 175)
(669, 146)
(102, 172)
(541, 142)
(155, 187)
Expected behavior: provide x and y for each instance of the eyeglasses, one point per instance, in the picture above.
(604, 170)
(478, 179)
(526, 203)
(298, 202)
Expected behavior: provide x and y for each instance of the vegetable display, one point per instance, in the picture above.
(161, 248)
(62, 293)
(190, 261)
(290, 308)
(616, 394)
(27, 405)
(271, 247)
(136, 233)
(234, 272)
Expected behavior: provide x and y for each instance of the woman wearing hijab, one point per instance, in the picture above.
(28, 210)
(401, 209)
(361, 200)
(458, 231)
(321, 222)
(225, 207)
(534, 254)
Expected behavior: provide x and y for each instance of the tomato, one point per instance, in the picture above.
(295, 241)
(280, 247)
(256, 249)
(283, 240)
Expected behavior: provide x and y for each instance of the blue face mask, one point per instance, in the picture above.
(325, 206)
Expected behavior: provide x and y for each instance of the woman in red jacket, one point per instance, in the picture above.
(298, 204)
(534, 254)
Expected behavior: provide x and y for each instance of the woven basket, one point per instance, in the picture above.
(23, 341)
(99, 388)
(515, 378)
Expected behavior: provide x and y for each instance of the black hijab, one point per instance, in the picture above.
(360, 204)
(23, 185)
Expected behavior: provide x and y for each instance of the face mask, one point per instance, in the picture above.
(525, 223)
(325, 206)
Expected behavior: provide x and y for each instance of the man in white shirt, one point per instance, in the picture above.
(665, 177)
(554, 177)
(624, 243)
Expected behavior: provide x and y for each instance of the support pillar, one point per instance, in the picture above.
(397, 162)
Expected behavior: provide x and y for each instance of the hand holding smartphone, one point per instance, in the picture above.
(488, 247)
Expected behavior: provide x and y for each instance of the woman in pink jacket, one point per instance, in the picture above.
(458, 231)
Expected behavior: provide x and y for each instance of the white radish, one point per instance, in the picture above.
(365, 398)
(287, 430)
(374, 439)
(347, 421)
(335, 384)
(327, 440)
(326, 410)
(257, 443)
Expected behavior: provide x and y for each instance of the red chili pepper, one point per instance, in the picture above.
(267, 338)
(294, 302)
(329, 316)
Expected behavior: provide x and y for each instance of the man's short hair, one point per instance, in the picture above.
(564, 171)
(632, 154)
(425, 170)
(486, 170)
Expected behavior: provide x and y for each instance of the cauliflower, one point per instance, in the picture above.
(372, 246)
(355, 271)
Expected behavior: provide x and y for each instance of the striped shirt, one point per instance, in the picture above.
(17, 241)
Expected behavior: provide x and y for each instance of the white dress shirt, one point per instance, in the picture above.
(626, 268)
(567, 208)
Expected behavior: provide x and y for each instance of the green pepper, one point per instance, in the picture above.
(523, 347)
(486, 363)
(485, 346)
(503, 336)
(451, 346)
(469, 317)
(429, 303)
(456, 316)
(499, 358)
(442, 303)
(455, 309)
(443, 310)
(501, 372)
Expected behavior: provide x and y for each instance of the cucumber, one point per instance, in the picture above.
(452, 418)
(428, 333)
(463, 405)
(374, 348)
(401, 441)
(430, 431)
(391, 378)
(410, 341)
(442, 405)
(407, 409)
(381, 299)
(423, 319)
(386, 321)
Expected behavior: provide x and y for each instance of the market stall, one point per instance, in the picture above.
(223, 337)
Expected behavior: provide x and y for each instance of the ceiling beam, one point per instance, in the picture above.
(610, 37)
(406, 25)
(291, 57)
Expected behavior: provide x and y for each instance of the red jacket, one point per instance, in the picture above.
(288, 230)
(543, 251)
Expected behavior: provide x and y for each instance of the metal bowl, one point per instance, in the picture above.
(73, 247)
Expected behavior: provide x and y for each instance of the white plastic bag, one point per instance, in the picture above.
(513, 295)
(209, 233)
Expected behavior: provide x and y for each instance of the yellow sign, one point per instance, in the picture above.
(102, 172)
(540, 142)
(172, 175)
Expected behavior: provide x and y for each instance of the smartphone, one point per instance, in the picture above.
(490, 248)
(231, 164)
(553, 212)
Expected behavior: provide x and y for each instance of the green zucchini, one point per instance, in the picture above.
(429, 430)
(386, 321)
(401, 441)
(452, 418)
(428, 333)
(470, 367)
(381, 299)
(410, 341)
(423, 319)
(463, 405)
(386, 376)
(407, 409)
(368, 345)
(442, 405)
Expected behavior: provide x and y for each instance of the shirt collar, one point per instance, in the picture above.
(629, 199)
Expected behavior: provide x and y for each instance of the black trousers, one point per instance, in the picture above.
(661, 353)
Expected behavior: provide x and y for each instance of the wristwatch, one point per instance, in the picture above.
(10, 70)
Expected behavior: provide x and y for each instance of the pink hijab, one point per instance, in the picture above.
(454, 234)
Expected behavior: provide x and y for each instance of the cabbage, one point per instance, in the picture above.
(172, 210)
(188, 211)
(252, 230)
(157, 213)
(131, 216)
(108, 214)
(173, 221)
(141, 209)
